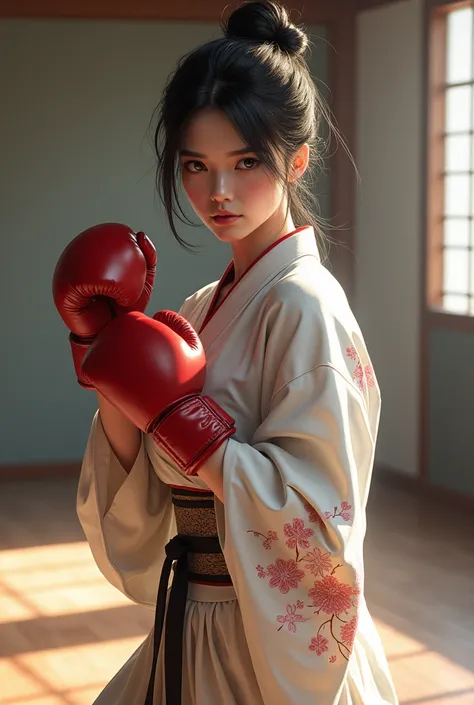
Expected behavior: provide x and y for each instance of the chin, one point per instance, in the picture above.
(229, 234)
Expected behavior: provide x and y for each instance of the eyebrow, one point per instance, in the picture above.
(236, 153)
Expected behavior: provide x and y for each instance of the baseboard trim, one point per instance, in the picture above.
(415, 485)
(383, 473)
(43, 471)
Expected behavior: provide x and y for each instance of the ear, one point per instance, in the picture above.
(299, 163)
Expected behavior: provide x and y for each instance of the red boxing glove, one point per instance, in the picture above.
(153, 370)
(105, 271)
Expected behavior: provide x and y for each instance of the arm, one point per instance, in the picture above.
(294, 524)
(127, 517)
(124, 437)
(212, 472)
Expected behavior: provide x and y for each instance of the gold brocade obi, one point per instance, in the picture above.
(197, 527)
(194, 555)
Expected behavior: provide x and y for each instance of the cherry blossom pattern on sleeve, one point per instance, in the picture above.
(363, 375)
(333, 602)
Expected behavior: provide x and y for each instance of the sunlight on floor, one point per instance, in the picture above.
(67, 675)
(424, 677)
(52, 580)
(64, 632)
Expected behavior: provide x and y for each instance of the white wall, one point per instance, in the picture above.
(389, 212)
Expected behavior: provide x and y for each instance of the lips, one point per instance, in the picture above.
(225, 218)
(225, 214)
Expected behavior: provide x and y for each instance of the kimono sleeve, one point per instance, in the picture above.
(292, 530)
(127, 518)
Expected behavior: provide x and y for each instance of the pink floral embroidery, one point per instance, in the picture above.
(343, 647)
(319, 644)
(328, 594)
(369, 375)
(348, 632)
(291, 617)
(352, 353)
(267, 540)
(363, 376)
(359, 376)
(343, 512)
(284, 575)
(318, 562)
(331, 596)
(297, 535)
(313, 515)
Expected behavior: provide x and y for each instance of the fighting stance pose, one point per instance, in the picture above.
(234, 441)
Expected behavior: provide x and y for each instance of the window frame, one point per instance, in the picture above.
(436, 12)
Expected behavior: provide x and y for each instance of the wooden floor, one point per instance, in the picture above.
(64, 631)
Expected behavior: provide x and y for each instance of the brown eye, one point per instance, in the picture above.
(194, 167)
(249, 163)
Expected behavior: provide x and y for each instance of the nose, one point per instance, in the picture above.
(222, 189)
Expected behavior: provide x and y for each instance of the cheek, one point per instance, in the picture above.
(195, 189)
(262, 190)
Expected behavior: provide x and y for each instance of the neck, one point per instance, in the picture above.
(251, 247)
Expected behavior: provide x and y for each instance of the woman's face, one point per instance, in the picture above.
(219, 173)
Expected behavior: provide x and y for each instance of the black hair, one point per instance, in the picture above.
(256, 74)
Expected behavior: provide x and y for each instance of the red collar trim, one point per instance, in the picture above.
(212, 310)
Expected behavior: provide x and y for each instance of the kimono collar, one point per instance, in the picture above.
(267, 266)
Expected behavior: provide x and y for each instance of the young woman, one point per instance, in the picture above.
(236, 440)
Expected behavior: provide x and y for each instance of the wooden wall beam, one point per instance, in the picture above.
(312, 11)
(371, 4)
(46, 471)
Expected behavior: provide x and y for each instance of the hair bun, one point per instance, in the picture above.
(266, 22)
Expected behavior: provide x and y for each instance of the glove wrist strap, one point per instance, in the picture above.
(192, 430)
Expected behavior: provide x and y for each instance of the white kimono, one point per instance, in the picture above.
(287, 360)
